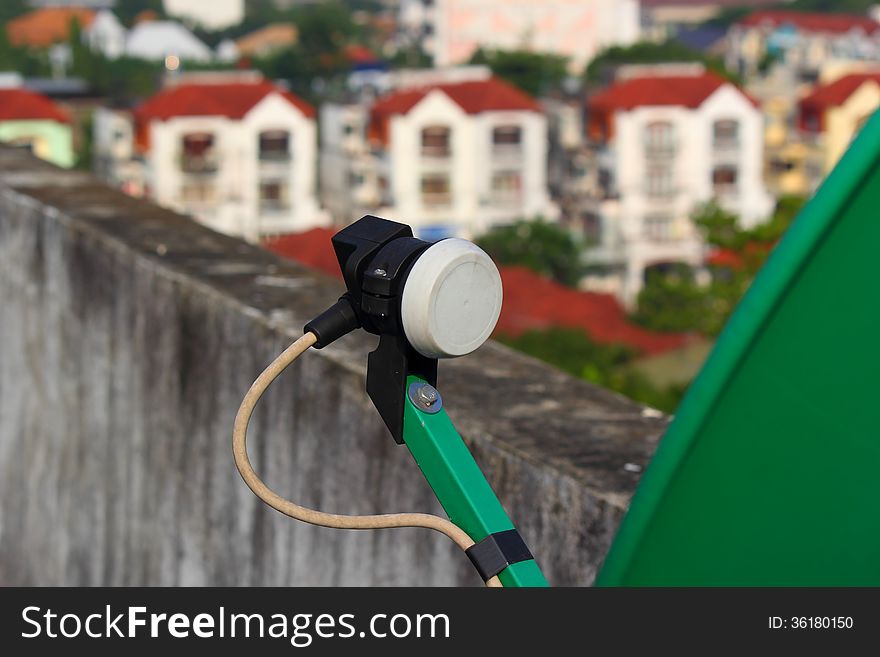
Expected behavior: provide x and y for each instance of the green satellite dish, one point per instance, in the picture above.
(770, 472)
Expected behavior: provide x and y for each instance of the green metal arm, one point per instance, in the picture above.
(459, 483)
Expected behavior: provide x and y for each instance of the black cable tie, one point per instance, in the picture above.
(498, 551)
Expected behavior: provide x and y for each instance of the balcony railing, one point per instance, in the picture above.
(436, 199)
(437, 152)
(206, 163)
(661, 150)
(507, 151)
(275, 156)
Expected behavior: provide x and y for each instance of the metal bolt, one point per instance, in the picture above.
(379, 272)
(427, 395)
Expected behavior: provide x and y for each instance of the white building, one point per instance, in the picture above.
(233, 150)
(106, 34)
(451, 30)
(802, 41)
(209, 14)
(158, 40)
(451, 158)
(667, 139)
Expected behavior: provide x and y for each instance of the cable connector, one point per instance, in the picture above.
(333, 323)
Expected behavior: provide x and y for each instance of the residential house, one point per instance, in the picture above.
(449, 158)
(47, 26)
(32, 121)
(161, 40)
(106, 35)
(666, 139)
(832, 115)
(209, 14)
(803, 41)
(451, 30)
(234, 150)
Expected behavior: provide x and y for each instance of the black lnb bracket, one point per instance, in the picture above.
(375, 256)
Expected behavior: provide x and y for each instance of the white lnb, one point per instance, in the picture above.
(451, 299)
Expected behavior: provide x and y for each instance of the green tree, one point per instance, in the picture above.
(648, 52)
(534, 73)
(673, 300)
(573, 351)
(541, 246)
(9, 9)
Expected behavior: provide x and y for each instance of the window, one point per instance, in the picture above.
(725, 134)
(275, 145)
(724, 180)
(507, 187)
(26, 143)
(592, 228)
(507, 139)
(605, 183)
(660, 181)
(660, 139)
(436, 141)
(658, 227)
(198, 154)
(436, 190)
(274, 196)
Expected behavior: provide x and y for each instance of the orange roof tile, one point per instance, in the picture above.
(43, 27)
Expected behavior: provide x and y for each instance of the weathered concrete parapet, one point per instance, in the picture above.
(128, 335)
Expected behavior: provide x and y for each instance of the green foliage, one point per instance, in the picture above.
(572, 351)
(127, 10)
(534, 73)
(9, 9)
(541, 246)
(648, 52)
(837, 6)
(21, 60)
(673, 300)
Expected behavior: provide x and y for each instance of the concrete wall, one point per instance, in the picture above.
(129, 334)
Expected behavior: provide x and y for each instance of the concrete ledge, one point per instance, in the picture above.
(128, 336)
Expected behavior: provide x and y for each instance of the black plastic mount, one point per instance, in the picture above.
(498, 551)
(375, 256)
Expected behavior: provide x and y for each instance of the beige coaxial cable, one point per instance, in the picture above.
(312, 516)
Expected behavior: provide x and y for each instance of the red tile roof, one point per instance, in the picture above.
(473, 97)
(811, 21)
(683, 90)
(312, 248)
(24, 105)
(837, 92)
(531, 302)
(43, 27)
(232, 100)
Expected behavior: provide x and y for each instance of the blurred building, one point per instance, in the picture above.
(451, 157)
(267, 40)
(803, 41)
(665, 139)
(46, 26)
(209, 14)
(452, 30)
(233, 150)
(664, 19)
(31, 121)
(158, 40)
(832, 115)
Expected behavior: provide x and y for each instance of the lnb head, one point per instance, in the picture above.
(444, 298)
(425, 301)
